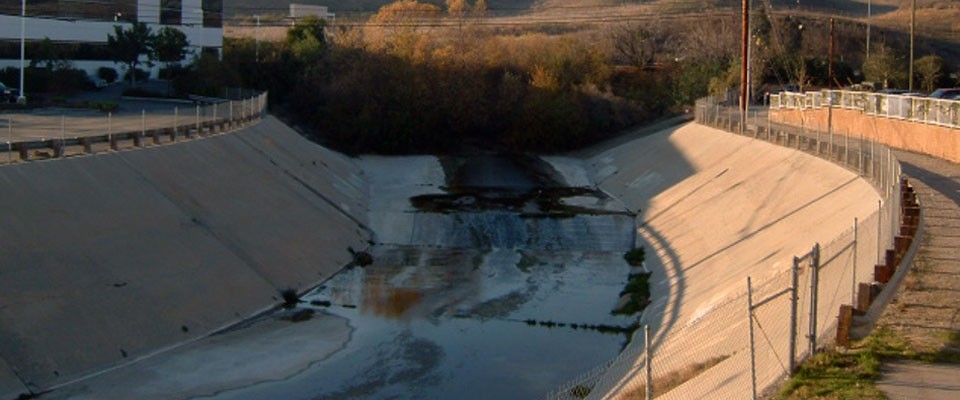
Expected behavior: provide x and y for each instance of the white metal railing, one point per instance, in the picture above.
(923, 110)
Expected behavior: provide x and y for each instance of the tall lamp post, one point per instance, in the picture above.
(21, 98)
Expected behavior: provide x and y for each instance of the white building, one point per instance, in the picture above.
(299, 11)
(84, 25)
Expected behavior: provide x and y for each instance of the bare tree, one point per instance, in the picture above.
(640, 45)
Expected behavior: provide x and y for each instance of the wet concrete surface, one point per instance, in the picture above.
(465, 324)
(511, 318)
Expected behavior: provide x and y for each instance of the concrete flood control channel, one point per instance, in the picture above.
(715, 208)
(486, 276)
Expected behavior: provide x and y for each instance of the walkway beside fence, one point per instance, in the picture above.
(927, 309)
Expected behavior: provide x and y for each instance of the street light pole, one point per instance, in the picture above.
(21, 98)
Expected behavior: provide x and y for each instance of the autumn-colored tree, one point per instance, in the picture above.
(480, 8)
(395, 28)
(457, 8)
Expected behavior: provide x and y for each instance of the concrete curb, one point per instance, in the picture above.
(863, 325)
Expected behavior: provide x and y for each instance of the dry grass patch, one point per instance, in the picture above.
(665, 383)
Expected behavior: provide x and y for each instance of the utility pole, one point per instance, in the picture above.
(830, 67)
(830, 79)
(869, 23)
(913, 27)
(744, 47)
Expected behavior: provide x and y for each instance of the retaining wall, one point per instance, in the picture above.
(110, 257)
(937, 141)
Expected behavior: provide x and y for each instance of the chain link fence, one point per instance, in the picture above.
(750, 341)
(65, 133)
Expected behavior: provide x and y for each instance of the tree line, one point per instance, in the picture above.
(399, 85)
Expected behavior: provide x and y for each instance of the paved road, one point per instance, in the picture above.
(56, 122)
(927, 309)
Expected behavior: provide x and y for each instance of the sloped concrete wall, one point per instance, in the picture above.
(107, 258)
(714, 208)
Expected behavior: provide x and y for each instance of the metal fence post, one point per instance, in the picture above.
(879, 229)
(846, 148)
(753, 350)
(814, 284)
(176, 113)
(198, 119)
(856, 242)
(860, 155)
(143, 121)
(63, 135)
(649, 367)
(10, 139)
(794, 299)
(818, 138)
(769, 123)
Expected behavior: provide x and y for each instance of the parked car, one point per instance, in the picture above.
(9, 94)
(892, 91)
(98, 83)
(946, 94)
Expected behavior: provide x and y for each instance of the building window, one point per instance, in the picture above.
(212, 13)
(114, 10)
(171, 12)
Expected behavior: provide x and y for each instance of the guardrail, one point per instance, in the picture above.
(908, 108)
(216, 116)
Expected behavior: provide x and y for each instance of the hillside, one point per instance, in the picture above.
(251, 7)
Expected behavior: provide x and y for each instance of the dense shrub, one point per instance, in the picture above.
(45, 80)
(140, 75)
(108, 74)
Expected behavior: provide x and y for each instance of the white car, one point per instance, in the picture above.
(98, 83)
(8, 94)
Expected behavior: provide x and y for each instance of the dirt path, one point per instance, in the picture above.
(926, 311)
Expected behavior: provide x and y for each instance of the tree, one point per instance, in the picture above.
(307, 28)
(480, 8)
(885, 66)
(458, 10)
(307, 39)
(170, 46)
(47, 55)
(932, 71)
(639, 45)
(128, 45)
(395, 28)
